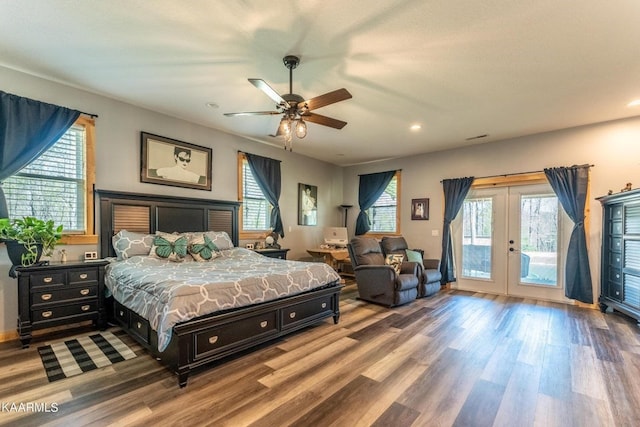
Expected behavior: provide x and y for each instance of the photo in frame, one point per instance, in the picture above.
(419, 209)
(168, 161)
(307, 204)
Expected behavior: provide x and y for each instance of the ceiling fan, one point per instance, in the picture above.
(294, 108)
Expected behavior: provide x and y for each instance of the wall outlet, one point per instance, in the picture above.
(435, 232)
(90, 255)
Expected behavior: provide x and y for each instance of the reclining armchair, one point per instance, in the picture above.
(428, 270)
(378, 282)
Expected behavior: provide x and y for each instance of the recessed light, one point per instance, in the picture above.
(212, 105)
(634, 103)
(415, 127)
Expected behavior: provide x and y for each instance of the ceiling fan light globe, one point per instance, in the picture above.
(301, 129)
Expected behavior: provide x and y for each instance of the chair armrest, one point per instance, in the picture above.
(409, 268)
(431, 264)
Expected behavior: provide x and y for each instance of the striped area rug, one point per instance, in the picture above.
(83, 354)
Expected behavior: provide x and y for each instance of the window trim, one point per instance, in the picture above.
(398, 232)
(253, 234)
(88, 237)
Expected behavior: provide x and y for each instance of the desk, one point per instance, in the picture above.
(332, 256)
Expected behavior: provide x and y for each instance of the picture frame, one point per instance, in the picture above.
(167, 161)
(307, 204)
(419, 209)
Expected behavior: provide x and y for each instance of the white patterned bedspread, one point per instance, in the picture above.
(166, 293)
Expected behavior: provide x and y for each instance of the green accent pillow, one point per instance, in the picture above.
(414, 256)
(169, 246)
(202, 248)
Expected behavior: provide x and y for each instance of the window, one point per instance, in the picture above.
(385, 212)
(58, 185)
(255, 210)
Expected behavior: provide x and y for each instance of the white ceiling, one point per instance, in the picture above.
(460, 68)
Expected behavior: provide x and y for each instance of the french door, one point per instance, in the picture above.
(510, 241)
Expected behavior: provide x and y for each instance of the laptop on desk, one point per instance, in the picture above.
(336, 236)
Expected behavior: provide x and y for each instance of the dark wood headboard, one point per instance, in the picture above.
(147, 213)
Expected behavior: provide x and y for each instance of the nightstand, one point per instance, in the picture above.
(59, 294)
(273, 253)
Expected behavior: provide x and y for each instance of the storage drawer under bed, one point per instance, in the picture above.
(235, 333)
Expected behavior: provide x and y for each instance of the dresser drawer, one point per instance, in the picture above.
(615, 275)
(47, 279)
(218, 339)
(83, 275)
(615, 260)
(615, 244)
(42, 295)
(306, 311)
(64, 311)
(615, 228)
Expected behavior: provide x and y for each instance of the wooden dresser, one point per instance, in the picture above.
(620, 277)
(59, 294)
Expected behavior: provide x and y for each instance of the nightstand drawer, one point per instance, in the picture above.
(64, 311)
(45, 296)
(81, 276)
(47, 279)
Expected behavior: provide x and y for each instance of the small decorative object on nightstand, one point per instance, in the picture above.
(59, 294)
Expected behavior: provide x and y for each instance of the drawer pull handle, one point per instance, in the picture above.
(139, 325)
(263, 324)
(617, 292)
(47, 279)
(292, 314)
(84, 292)
(324, 305)
(617, 276)
(47, 313)
(83, 275)
(213, 339)
(121, 313)
(85, 307)
(46, 297)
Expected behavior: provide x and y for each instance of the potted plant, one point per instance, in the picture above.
(28, 238)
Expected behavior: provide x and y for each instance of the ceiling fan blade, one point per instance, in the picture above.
(263, 86)
(254, 113)
(326, 99)
(323, 120)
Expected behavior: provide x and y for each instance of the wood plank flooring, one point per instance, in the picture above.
(455, 359)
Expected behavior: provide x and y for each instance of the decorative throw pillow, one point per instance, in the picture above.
(169, 246)
(220, 238)
(127, 244)
(201, 248)
(414, 256)
(395, 261)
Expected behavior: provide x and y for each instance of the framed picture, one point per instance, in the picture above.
(307, 204)
(168, 161)
(419, 208)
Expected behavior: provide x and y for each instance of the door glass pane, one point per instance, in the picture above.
(476, 237)
(539, 239)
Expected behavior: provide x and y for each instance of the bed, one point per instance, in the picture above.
(196, 311)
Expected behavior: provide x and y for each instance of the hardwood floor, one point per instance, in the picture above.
(455, 359)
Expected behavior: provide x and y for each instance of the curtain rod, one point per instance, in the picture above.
(373, 173)
(518, 173)
(93, 116)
